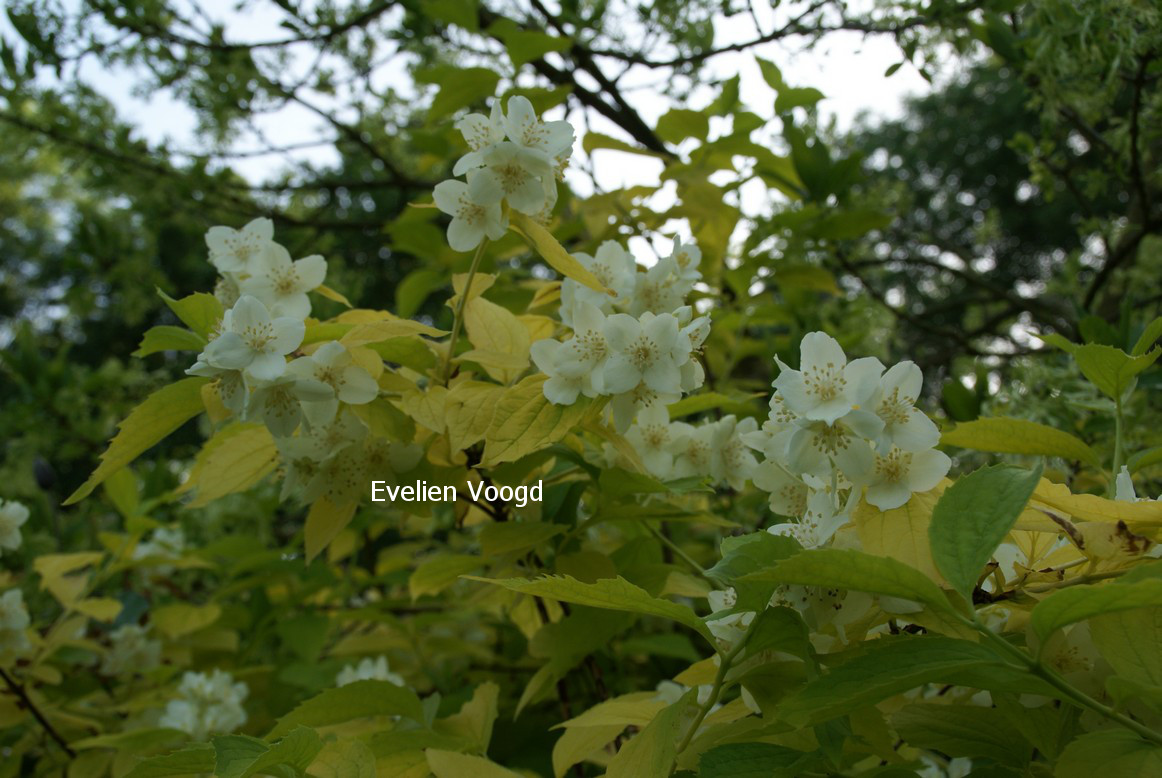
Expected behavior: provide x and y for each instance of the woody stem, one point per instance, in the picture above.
(458, 320)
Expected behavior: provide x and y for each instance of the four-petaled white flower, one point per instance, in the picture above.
(12, 517)
(655, 440)
(642, 351)
(513, 173)
(251, 341)
(206, 705)
(614, 267)
(894, 400)
(897, 474)
(231, 251)
(332, 366)
(577, 365)
(660, 289)
(279, 403)
(479, 133)
(472, 221)
(282, 284)
(553, 139)
(827, 387)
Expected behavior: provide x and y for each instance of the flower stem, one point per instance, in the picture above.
(458, 320)
(719, 679)
(26, 701)
(699, 569)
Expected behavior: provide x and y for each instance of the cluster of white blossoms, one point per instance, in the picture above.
(368, 669)
(639, 347)
(264, 373)
(14, 623)
(12, 517)
(206, 705)
(514, 162)
(132, 651)
(670, 450)
(837, 427)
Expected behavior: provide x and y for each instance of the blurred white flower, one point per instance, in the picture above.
(14, 623)
(13, 515)
(206, 705)
(368, 670)
(231, 251)
(132, 651)
(331, 365)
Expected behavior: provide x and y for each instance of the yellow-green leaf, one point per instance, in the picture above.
(1078, 603)
(324, 521)
(162, 412)
(165, 337)
(436, 574)
(554, 253)
(234, 459)
(449, 764)
(1003, 435)
(331, 294)
(201, 312)
(182, 618)
(524, 421)
(650, 753)
(468, 412)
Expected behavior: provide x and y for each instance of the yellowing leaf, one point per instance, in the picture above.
(629, 710)
(576, 744)
(201, 312)
(182, 618)
(233, 460)
(901, 533)
(1090, 507)
(650, 753)
(168, 338)
(1017, 436)
(554, 253)
(162, 412)
(468, 411)
(331, 294)
(324, 521)
(374, 332)
(475, 718)
(346, 703)
(99, 608)
(493, 328)
(449, 764)
(524, 421)
(426, 406)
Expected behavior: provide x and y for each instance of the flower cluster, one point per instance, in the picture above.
(264, 373)
(12, 517)
(14, 623)
(837, 426)
(368, 669)
(206, 705)
(514, 161)
(639, 347)
(675, 449)
(132, 651)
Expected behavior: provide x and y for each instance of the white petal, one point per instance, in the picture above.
(311, 271)
(266, 367)
(358, 386)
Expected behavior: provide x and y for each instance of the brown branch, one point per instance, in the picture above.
(27, 702)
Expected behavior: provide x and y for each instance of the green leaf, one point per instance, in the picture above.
(525, 421)
(192, 760)
(753, 760)
(650, 753)
(1144, 459)
(459, 87)
(165, 337)
(438, 573)
(850, 569)
(1112, 752)
(344, 759)
(1152, 332)
(779, 629)
(1003, 435)
(449, 764)
(886, 668)
(611, 593)
(973, 516)
(354, 701)
(1110, 369)
(554, 253)
(1078, 603)
(748, 554)
(596, 140)
(677, 124)
(414, 289)
(509, 536)
(1129, 641)
(795, 97)
(525, 45)
(697, 403)
(162, 412)
(963, 730)
(201, 312)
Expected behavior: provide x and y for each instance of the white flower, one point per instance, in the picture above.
(281, 284)
(368, 670)
(332, 366)
(278, 403)
(472, 221)
(898, 474)
(727, 629)
(614, 267)
(905, 426)
(251, 341)
(737, 463)
(687, 257)
(642, 352)
(575, 366)
(513, 173)
(819, 523)
(553, 139)
(14, 622)
(626, 405)
(816, 447)
(164, 544)
(1123, 488)
(206, 705)
(788, 494)
(827, 387)
(479, 133)
(231, 251)
(654, 440)
(12, 517)
(661, 289)
(131, 652)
